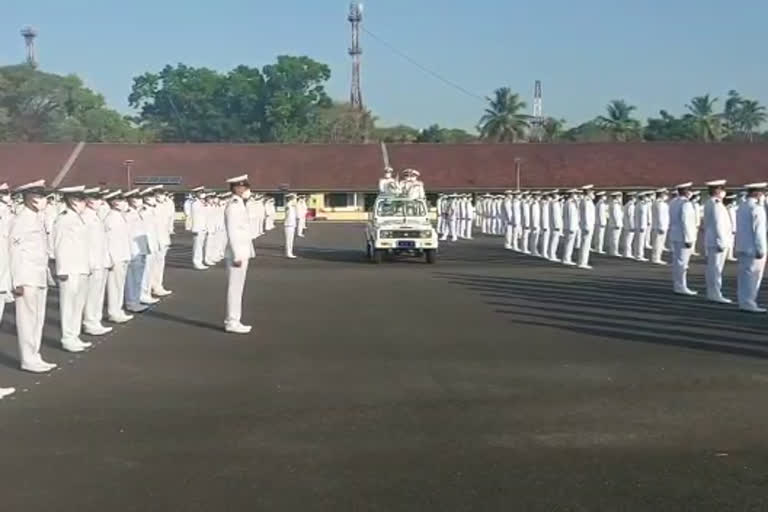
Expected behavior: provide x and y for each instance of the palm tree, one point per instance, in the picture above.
(553, 129)
(731, 112)
(502, 121)
(618, 121)
(705, 121)
(751, 115)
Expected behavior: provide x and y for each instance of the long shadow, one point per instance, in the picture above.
(182, 320)
(620, 308)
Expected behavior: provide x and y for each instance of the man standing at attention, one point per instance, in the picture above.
(239, 252)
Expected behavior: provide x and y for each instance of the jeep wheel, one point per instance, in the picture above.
(431, 256)
(378, 256)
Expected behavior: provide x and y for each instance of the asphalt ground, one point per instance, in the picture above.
(490, 381)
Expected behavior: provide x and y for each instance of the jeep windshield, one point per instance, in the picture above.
(400, 208)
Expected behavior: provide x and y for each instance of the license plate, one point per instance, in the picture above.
(408, 245)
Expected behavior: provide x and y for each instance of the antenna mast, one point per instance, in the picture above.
(29, 34)
(537, 123)
(355, 18)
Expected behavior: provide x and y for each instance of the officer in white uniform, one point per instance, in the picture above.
(682, 234)
(517, 220)
(533, 243)
(615, 224)
(642, 220)
(470, 217)
(717, 239)
(526, 204)
(188, 211)
(601, 222)
(509, 220)
(546, 226)
(28, 257)
(290, 224)
(164, 214)
(5, 227)
(118, 241)
(555, 225)
(199, 226)
(301, 215)
(148, 215)
(751, 246)
(587, 218)
(269, 213)
(71, 251)
(629, 225)
(239, 252)
(659, 225)
(732, 206)
(699, 215)
(388, 184)
(139, 252)
(570, 226)
(99, 264)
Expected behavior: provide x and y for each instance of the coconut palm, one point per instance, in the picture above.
(751, 116)
(619, 122)
(706, 122)
(731, 112)
(553, 129)
(503, 120)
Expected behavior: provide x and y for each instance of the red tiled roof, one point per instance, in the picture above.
(484, 166)
(22, 163)
(331, 168)
(269, 166)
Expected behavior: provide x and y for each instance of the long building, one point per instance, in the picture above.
(341, 179)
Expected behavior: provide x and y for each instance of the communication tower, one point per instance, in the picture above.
(29, 34)
(355, 18)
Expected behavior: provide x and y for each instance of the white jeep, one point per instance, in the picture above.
(400, 226)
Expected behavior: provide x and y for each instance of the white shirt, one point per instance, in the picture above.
(290, 214)
(543, 207)
(5, 270)
(97, 240)
(718, 231)
(587, 212)
(642, 215)
(199, 216)
(750, 229)
(629, 215)
(616, 214)
(137, 233)
(238, 226)
(660, 216)
(70, 244)
(556, 215)
(602, 213)
(118, 238)
(571, 216)
(682, 221)
(28, 252)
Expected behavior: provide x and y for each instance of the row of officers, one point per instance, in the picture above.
(99, 247)
(563, 226)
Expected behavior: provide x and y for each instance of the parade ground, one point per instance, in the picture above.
(489, 381)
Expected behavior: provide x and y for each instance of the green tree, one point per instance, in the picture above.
(399, 134)
(437, 135)
(707, 123)
(552, 129)
(342, 124)
(591, 131)
(669, 127)
(752, 115)
(619, 122)
(503, 120)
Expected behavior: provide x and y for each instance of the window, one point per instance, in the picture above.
(369, 201)
(397, 207)
(279, 200)
(338, 200)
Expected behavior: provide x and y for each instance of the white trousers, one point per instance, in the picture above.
(440, 224)
(211, 248)
(235, 286)
(614, 236)
(116, 290)
(731, 250)
(3, 296)
(146, 275)
(659, 240)
(586, 244)
(600, 240)
(133, 281)
(302, 225)
(73, 294)
(468, 229)
(486, 223)
(516, 232)
(290, 234)
(94, 302)
(30, 318)
(750, 276)
(578, 239)
(158, 269)
(454, 225)
(714, 273)
(526, 239)
(533, 244)
(640, 242)
(270, 223)
(554, 243)
(198, 248)
(568, 245)
(629, 237)
(544, 243)
(681, 256)
(508, 236)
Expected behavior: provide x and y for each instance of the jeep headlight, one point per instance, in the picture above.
(426, 234)
(385, 234)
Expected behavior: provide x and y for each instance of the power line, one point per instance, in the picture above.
(425, 69)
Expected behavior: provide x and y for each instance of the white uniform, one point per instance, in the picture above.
(546, 227)
(533, 244)
(642, 219)
(164, 213)
(98, 259)
(751, 250)
(139, 252)
(5, 268)
(601, 224)
(682, 234)
(199, 226)
(71, 251)
(149, 218)
(28, 257)
(290, 227)
(525, 208)
(660, 227)
(517, 222)
(556, 227)
(630, 227)
(699, 215)
(188, 214)
(732, 208)
(269, 214)
(301, 216)
(615, 226)
(587, 218)
(119, 254)
(239, 249)
(509, 218)
(570, 227)
(470, 218)
(718, 241)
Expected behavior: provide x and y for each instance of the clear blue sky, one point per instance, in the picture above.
(654, 53)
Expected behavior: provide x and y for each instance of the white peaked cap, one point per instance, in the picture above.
(94, 190)
(571, 191)
(158, 187)
(587, 187)
(616, 194)
(4, 187)
(752, 186)
(661, 190)
(72, 190)
(238, 179)
(132, 193)
(716, 183)
(114, 194)
(685, 185)
(601, 193)
(28, 186)
(198, 189)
